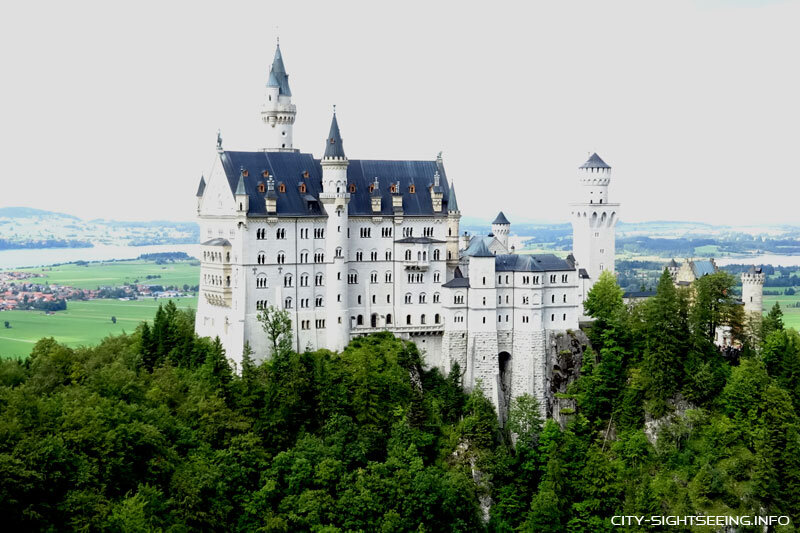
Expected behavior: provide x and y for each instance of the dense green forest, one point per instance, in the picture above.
(155, 431)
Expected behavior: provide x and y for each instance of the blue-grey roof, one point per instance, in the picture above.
(672, 263)
(333, 144)
(452, 205)
(501, 219)
(278, 71)
(530, 263)
(202, 187)
(240, 186)
(479, 250)
(457, 283)
(290, 168)
(595, 162)
(219, 241)
(703, 268)
(474, 241)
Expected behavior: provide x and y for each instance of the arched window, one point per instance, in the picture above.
(281, 187)
(422, 319)
(408, 255)
(302, 187)
(352, 187)
(281, 258)
(388, 319)
(287, 303)
(436, 318)
(422, 298)
(360, 320)
(408, 320)
(436, 255)
(261, 258)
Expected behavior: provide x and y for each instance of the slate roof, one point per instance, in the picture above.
(290, 168)
(473, 243)
(501, 219)
(703, 268)
(240, 185)
(479, 250)
(452, 205)
(458, 281)
(530, 263)
(333, 144)
(277, 74)
(219, 241)
(595, 162)
(202, 187)
(672, 263)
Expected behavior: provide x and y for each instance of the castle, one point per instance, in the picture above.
(350, 247)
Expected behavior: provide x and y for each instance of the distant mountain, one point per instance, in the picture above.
(27, 228)
(29, 212)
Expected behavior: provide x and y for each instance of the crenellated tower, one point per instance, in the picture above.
(594, 221)
(501, 227)
(335, 197)
(753, 291)
(278, 112)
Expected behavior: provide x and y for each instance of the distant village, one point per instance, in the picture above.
(22, 291)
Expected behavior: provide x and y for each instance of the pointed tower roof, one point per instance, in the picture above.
(501, 219)
(595, 162)
(452, 203)
(202, 187)
(480, 250)
(333, 145)
(240, 186)
(277, 74)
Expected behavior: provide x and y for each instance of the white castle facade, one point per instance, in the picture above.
(350, 247)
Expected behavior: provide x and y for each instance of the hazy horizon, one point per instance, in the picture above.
(111, 111)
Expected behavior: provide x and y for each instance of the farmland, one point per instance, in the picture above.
(115, 273)
(790, 305)
(83, 323)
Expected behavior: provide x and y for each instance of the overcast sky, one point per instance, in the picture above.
(111, 109)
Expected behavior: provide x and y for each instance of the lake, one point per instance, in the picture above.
(51, 256)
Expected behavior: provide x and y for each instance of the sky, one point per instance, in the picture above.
(111, 109)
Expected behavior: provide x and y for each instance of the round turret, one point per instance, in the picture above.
(595, 175)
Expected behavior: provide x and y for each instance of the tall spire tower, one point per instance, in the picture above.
(278, 112)
(594, 221)
(335, 197)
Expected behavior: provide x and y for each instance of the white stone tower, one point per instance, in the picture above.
(278, 112)
(594, 221)
(501, 227)
(335, 197)
(453, 218)
(752, 291)
(482, 352)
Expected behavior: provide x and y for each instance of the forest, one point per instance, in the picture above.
(156, 431)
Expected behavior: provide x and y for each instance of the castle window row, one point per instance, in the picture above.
(216, 281)
(216, 257)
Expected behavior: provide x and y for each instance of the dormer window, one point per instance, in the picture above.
(265, 174)
(352, 187)
(412, 189)
(393, 189)
(305, 173)
(245, 173)
(261, 187)
(371, 188)
(302, 187)
(281, 187)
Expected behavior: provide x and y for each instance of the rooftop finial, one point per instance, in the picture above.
(219, 141)
(436, 179)
(334, 109)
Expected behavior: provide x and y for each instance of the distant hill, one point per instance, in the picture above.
(28, 212)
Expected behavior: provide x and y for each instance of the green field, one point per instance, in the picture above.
(117, 273)
(83, 323)
(791, 315)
